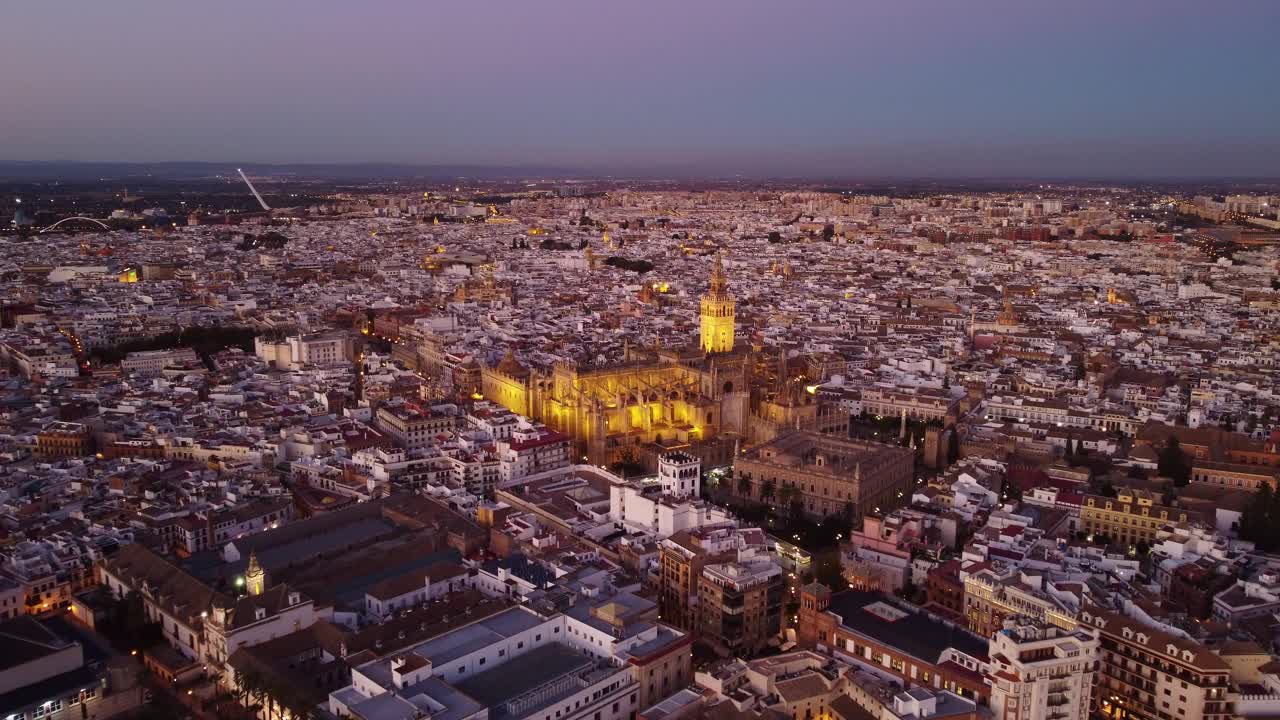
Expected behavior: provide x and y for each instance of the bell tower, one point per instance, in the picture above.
(255, 576)
(718, 309)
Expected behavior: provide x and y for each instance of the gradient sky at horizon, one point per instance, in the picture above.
(937, 88)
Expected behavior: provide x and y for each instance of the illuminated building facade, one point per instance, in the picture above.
(718, 311)
(669, 400)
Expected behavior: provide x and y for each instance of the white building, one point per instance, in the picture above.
(576, 665)
(668, 503)
(1041, 672)
(153, 362)
(318, 349)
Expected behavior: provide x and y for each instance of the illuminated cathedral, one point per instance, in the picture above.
(707, 400)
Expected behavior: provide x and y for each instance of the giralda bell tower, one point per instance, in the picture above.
(718, 308)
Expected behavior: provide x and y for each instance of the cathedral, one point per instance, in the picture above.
(706, 400)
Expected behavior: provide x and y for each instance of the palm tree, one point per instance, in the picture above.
(787, 494)
(254, 686)
(246, 683)
(768, 489)
(744, 486)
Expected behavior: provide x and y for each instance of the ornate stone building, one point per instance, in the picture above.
(704, 400)
(718, 314)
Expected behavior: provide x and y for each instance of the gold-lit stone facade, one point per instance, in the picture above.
(718, 314)
(706, 399)
(620, 410)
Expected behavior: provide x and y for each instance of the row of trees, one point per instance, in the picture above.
(635, 266)
(1173, 463)
(787, 495)
(127, 627)
(204, 340)
(257, 690)
(1260, 520)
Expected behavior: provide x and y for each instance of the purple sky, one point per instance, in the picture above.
(847, 87)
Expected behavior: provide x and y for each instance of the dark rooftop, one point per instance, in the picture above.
(914, 631)
(527, 672)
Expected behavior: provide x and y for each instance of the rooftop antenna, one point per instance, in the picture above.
(254, 190)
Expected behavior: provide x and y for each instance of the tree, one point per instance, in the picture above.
(627, 463)
(768, 489)
(1011, 492)
(1172, 463)
(635, 266)
(248, 684)
(744, 486)
(1260, 520)
(787, 494)
(908, 590)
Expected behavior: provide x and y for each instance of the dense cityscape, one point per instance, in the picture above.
(599, 449)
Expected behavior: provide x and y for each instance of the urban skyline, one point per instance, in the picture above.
(717, 360)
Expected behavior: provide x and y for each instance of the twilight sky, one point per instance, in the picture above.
(798, 87)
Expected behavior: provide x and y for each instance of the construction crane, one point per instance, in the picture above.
(254, 190)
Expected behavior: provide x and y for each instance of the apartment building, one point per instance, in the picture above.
(682, 559)
(1041, 672)
(531, 452)
(153, 362)
(740, 604)
(1148, 673)
(875, 631)
(317, 349)
(990, 598)
(413, 426)
(917, 404)
(1130, 517)
(64, 439)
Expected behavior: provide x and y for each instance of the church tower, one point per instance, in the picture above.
(718, 308)
(255, 577)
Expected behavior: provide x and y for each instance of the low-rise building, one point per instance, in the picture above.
(824, 475)
(875, 631)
